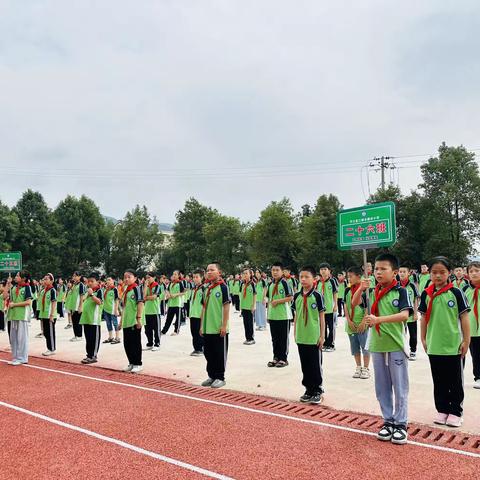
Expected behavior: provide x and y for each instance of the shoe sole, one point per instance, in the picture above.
(399, 442)
(439, 423)
(384, 439)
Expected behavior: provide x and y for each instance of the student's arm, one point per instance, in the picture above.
(465, 325)
(98, 297)
(321, 340)
(28, 299)
(335, 294)
(81, 293)
(288, 298)
(154, 294)
(115, 308)
(53, 304)
(357, 298)
(254, 304)
(405, 310)
(422, 308)
(226, 310)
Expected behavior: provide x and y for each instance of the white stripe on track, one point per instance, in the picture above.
(248, 409)
(120, 443)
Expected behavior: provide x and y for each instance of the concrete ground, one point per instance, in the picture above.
(247, 370)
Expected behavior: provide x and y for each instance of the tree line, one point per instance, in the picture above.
(440, 216)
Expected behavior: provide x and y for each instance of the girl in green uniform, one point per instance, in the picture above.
(47, 304)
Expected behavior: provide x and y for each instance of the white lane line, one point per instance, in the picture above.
(120, 443)
(248, 409)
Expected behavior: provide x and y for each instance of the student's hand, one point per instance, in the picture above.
(12, 305)
(362, 326)
(90, 291)
(200, 332)
(138, 325)
(352, 326)
(320, 342)
(424, 343)
(253, 309)
(274, 303)
(117, 314)
(223, 331)
(51, 319)
(264, 302)
(463, 349)
(371, 320)
(364, 284)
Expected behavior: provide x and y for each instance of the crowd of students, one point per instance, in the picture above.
(380, 309)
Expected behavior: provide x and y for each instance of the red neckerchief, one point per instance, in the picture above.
(380, 292)
(209, 291)
(107, 289)
(130, 288)
(197, 288)
(245, 289)
(404, 283)
(275, 288)
(19, 286)
(353, 290)
(432, 294)
(323, 285)
(45, 294)
(305, 303)
(475, 302)
(152, 286)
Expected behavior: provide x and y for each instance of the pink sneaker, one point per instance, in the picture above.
(441, 419)
(454, 421)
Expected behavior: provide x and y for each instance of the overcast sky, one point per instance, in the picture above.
(237, 103)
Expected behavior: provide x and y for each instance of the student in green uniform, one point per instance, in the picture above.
(248, 299)
(391, 307)
(19, 298)
(459, 281)
(133, 318)
(3, 283)
(341, 286)
(279, 311)
(196, 313)
(162, 289)
(327, 286)
(309, 328)
(214, 326)
(236, 292)
(111, 312)
(261, 299)
(36, 310)
(404, 274)
(423, 278)
(91, 317)
(61, 293)
(355, 325)
(445, 338)
(68, 294)
(174, 296)
(75, 303)
(47, 304)
(152, 312)
(471, 291)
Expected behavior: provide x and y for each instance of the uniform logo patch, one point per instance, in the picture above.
(451, 303)
(280, 291)
(395, 302)
(132, 296)
(314, 305)
(218, 294)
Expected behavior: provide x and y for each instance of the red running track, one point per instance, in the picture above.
(223, 441)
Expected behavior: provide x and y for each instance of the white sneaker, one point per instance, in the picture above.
(16, 362)
(39, 335)
(136, 369)
(365, 373)
(147, 348)
(218, 383)
(413, 356)
(155, 349)
(76, 339)
(358, 372)
(477, 383)
(128, 369)
(48, 353)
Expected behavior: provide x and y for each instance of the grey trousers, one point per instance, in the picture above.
(391, 380)
(19, 340)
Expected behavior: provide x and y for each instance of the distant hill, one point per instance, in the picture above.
(164, 227)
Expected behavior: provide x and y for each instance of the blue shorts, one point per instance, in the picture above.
(358, 342)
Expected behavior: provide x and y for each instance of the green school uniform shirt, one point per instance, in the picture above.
(2, 302)
(46, 307)
(307, 330)
(61, 293)
(358, 313)
(19, 313)
(176, 287)
(196, 304)
(281, 311)
(109, 298)
(130, 301)
(461, 284)
(78, 291)
(444, 334)
(469, 291)
(91, 312)
(391, 335)
(341, 290)
(40, 294)
(423, 281)
(260, 289)
(152, 307)
(236, 287)
(328, 289)
(412, 295)
(247, 296)
(213, 303)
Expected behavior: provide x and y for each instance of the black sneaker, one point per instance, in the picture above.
(400, 435)
(273, 363)
(316, 399)
(306, 397)
(386, 432)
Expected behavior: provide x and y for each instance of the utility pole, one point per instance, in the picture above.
(382, 163)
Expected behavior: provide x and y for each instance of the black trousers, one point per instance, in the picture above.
(447, 374)
(412, 333)
(186, 308)
(162, 307)
(172, 312)
(215, 350)
(197, 339)
(340, 304)
(49, 333)
(92, 338)
(2, 320)
(61, 309)
(247, 316)
(152, 329)
(132, 342)
(9, 327)
(236, 302)
(475, 352)
(77, 328)
(311, 362)
(279, 329)
(329, 330)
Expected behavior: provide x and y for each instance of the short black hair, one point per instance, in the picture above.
(390, 258)
(442, 260)
(404, 265)
(277, 264)
(355, 270)
(94, 275)
(474, 263)
(309, 268)
(325, 265)
(200, 272)
(150, 274)
(130, 270)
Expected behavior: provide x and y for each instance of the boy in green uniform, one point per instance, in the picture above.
(91, 318)
(423, 278)
(174, 296)
(471, 291)
(47, 305)
(260, 310)
(413, 295)
(445, 338)
(391, 307)
(279, 312)
(2, 306)
(214, 326)
(327, 286)
(236, 293)
(152, 312)
(459, 281)
(248, 298)
(110, 311)
(355, 325)
(133, 318)
(196, 306)
(68, 294)
(309, 328)
(341, 286)
(75, 304)
(61, 294)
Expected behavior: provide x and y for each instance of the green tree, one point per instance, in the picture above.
(9, 224)
(136, 242)
(38, 234)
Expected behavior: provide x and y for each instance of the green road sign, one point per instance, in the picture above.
(10, 261)
(370, 226)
